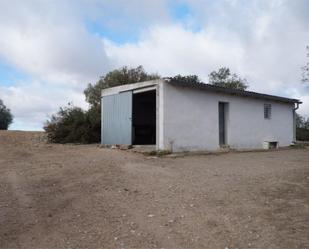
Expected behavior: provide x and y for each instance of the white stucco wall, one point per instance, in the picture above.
(160, 116)
(190, 120)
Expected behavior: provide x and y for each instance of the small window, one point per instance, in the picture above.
(267, 111)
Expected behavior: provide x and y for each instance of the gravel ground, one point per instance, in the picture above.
(83, 196)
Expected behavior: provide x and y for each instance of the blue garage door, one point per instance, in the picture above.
(117, 119)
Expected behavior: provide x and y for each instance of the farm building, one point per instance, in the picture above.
(180, 116)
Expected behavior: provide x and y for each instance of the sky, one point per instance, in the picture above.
(51, 49)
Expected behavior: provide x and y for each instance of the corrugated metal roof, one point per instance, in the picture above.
(230, 91)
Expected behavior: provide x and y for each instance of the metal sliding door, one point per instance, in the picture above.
(117, 119)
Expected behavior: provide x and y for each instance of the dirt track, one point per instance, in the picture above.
(66, 196)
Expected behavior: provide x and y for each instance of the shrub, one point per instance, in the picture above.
(6, 118)
(302, 134)
(68, 125)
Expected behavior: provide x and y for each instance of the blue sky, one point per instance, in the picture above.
(50, 50)
(10, 75)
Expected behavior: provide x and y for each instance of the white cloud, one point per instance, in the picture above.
(48, 42)
(125, 16)
(172, 49)
(261, 40)
(50, 45)
(32, 102)
(304, 107)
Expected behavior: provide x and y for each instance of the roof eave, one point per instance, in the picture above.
(235, 92)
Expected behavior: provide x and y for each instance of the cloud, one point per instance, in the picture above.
(60, 46)
(172, 49)
(33, 102)
(47, 42)
(263, 41)
(49, 45)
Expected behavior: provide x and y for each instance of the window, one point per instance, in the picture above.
(267, 111)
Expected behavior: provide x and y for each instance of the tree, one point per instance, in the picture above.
(224, 78)
(6, 118)
(67, 126)
(302, 128)
(302, 122)
(73, 125)
(185, 79)
(116, 77)
(305, 69)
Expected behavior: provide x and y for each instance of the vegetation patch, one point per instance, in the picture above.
(158, 153)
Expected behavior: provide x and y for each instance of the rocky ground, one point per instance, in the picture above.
(84, 196)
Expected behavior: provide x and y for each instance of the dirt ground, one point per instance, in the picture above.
(84, 196)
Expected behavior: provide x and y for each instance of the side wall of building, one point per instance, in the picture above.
(190, 120)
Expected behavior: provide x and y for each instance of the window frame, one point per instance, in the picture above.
(267, 111)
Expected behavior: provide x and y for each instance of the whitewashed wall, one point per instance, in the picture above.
(190, 120)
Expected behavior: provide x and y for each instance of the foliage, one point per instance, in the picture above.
(302, 122)
(73, 125)
(93, 118)
(158, 153)
(6, 118)
(224, 78)
(302, 128)
(68, 125)
(185, 79)
(116, 77)
(305, 69)
(302, 134)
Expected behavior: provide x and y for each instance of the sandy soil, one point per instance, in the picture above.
(79, 196)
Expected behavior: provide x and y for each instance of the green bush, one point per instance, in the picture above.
(302, 134)
(68, 125)
(6, 118)
(73, 125)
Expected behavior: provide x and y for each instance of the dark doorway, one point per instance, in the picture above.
(223, 123)
(144, 118)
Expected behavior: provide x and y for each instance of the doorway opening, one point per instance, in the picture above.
(144, 118)
(223, 112)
